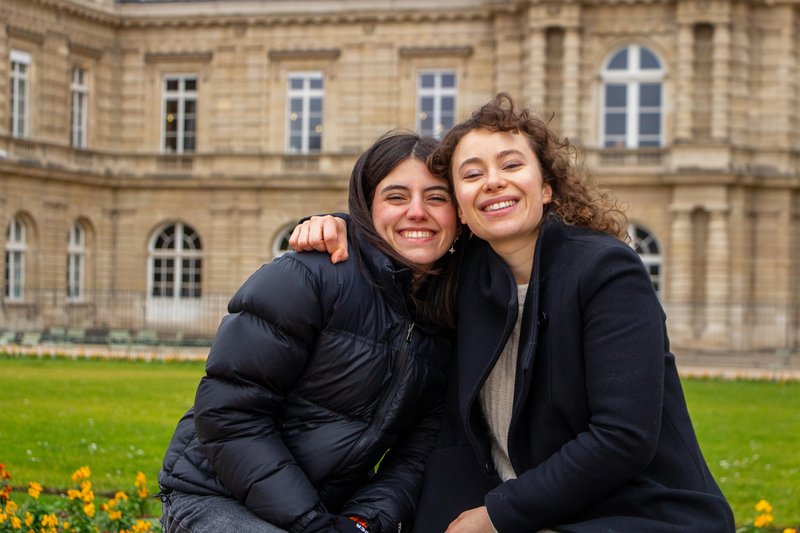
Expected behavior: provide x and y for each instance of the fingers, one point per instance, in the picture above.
(323, 234)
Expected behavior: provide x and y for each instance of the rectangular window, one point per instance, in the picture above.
(163, 277)
(20, 93)
(436, 102)
(80, 98)
(15, 268)
(306, 93)
(190, 278)
(180, 114)
(615, 116)
(76, 252)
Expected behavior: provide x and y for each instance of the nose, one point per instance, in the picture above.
(416, 210)
(494, 180)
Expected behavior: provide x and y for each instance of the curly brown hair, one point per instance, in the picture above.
(574, 200)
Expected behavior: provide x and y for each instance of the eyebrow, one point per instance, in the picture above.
(393, 187)
(500, 155)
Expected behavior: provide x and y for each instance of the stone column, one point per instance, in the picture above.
(720, 83)
(717, 277)
(679, 271)
(683, 83)
(572, 73)
(533, 67)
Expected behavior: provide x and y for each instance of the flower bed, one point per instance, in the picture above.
(75, 511)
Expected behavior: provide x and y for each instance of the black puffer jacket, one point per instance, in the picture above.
(314, 375)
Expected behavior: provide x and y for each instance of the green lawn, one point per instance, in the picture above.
(114, 416)
(749, 433)
(117, 417)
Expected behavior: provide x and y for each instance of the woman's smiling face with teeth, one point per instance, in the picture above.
(413, 211)
(498, 185)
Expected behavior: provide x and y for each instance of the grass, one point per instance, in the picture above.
(114, 416)
(748, 431)
(117, 418)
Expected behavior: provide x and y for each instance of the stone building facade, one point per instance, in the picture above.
(153, 153)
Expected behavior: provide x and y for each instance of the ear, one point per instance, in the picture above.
(547, 193)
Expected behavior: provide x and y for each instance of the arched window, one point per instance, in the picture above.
(649, 250)
(76, 261)
(633, 99)
(175, 262)
(280, 245)
(16, 246)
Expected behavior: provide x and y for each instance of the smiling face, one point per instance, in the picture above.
(413, 211)
(499, 188)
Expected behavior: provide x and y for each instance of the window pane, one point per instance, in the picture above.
(316, 83)
(427, 80)
(295, 83)
(172, 84)
(315, 105)
(190, 84)
(649, 123)
(650, 95)
(619, 61)
(648, 60)
(615, 123)
(616, 95)
(448, 80)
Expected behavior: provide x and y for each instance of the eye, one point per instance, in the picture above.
(395, 198)
(511, 165)
(439, 199)
(471, 174)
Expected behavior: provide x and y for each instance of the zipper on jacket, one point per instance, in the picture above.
(380, 412)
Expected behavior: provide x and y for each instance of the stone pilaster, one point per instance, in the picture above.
(570, 103)
(717, 277)
(720, 83)
(679, 271)
(533, 67)
(683, 83)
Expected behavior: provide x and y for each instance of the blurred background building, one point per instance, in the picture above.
(154, 153)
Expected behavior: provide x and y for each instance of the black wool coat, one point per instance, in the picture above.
(600, 435)
(315, 374)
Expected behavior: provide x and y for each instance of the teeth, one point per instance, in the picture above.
(499, 205)
(417, 234)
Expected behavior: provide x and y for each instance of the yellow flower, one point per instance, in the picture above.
(763, 506)
(81, 473)
(11, 507)
(120, 495)
(28, 519)
(49, 520)
(89, 509)
(790, 530)
(34, 489)
(16, 523)
(763, 520)
(141, 527)
(73, 494)
(115, 515)
(141, 479)
(3, 517)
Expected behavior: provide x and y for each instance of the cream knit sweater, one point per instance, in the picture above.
(497, 395)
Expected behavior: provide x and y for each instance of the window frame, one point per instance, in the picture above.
(79, 116)
(15, 256)
(20, 89)
(305, 94)
(649, 251)
(177, 255)
(76, 263)
(437, 93)
(632, 78)
(182, 96)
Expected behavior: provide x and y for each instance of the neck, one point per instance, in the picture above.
(518, 255)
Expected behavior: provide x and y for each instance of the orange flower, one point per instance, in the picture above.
(763, 520)
(763, 506)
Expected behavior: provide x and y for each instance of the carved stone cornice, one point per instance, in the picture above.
(25, 35)
(85, 51)
(178, 57)
(321, 54)
(435, 51)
